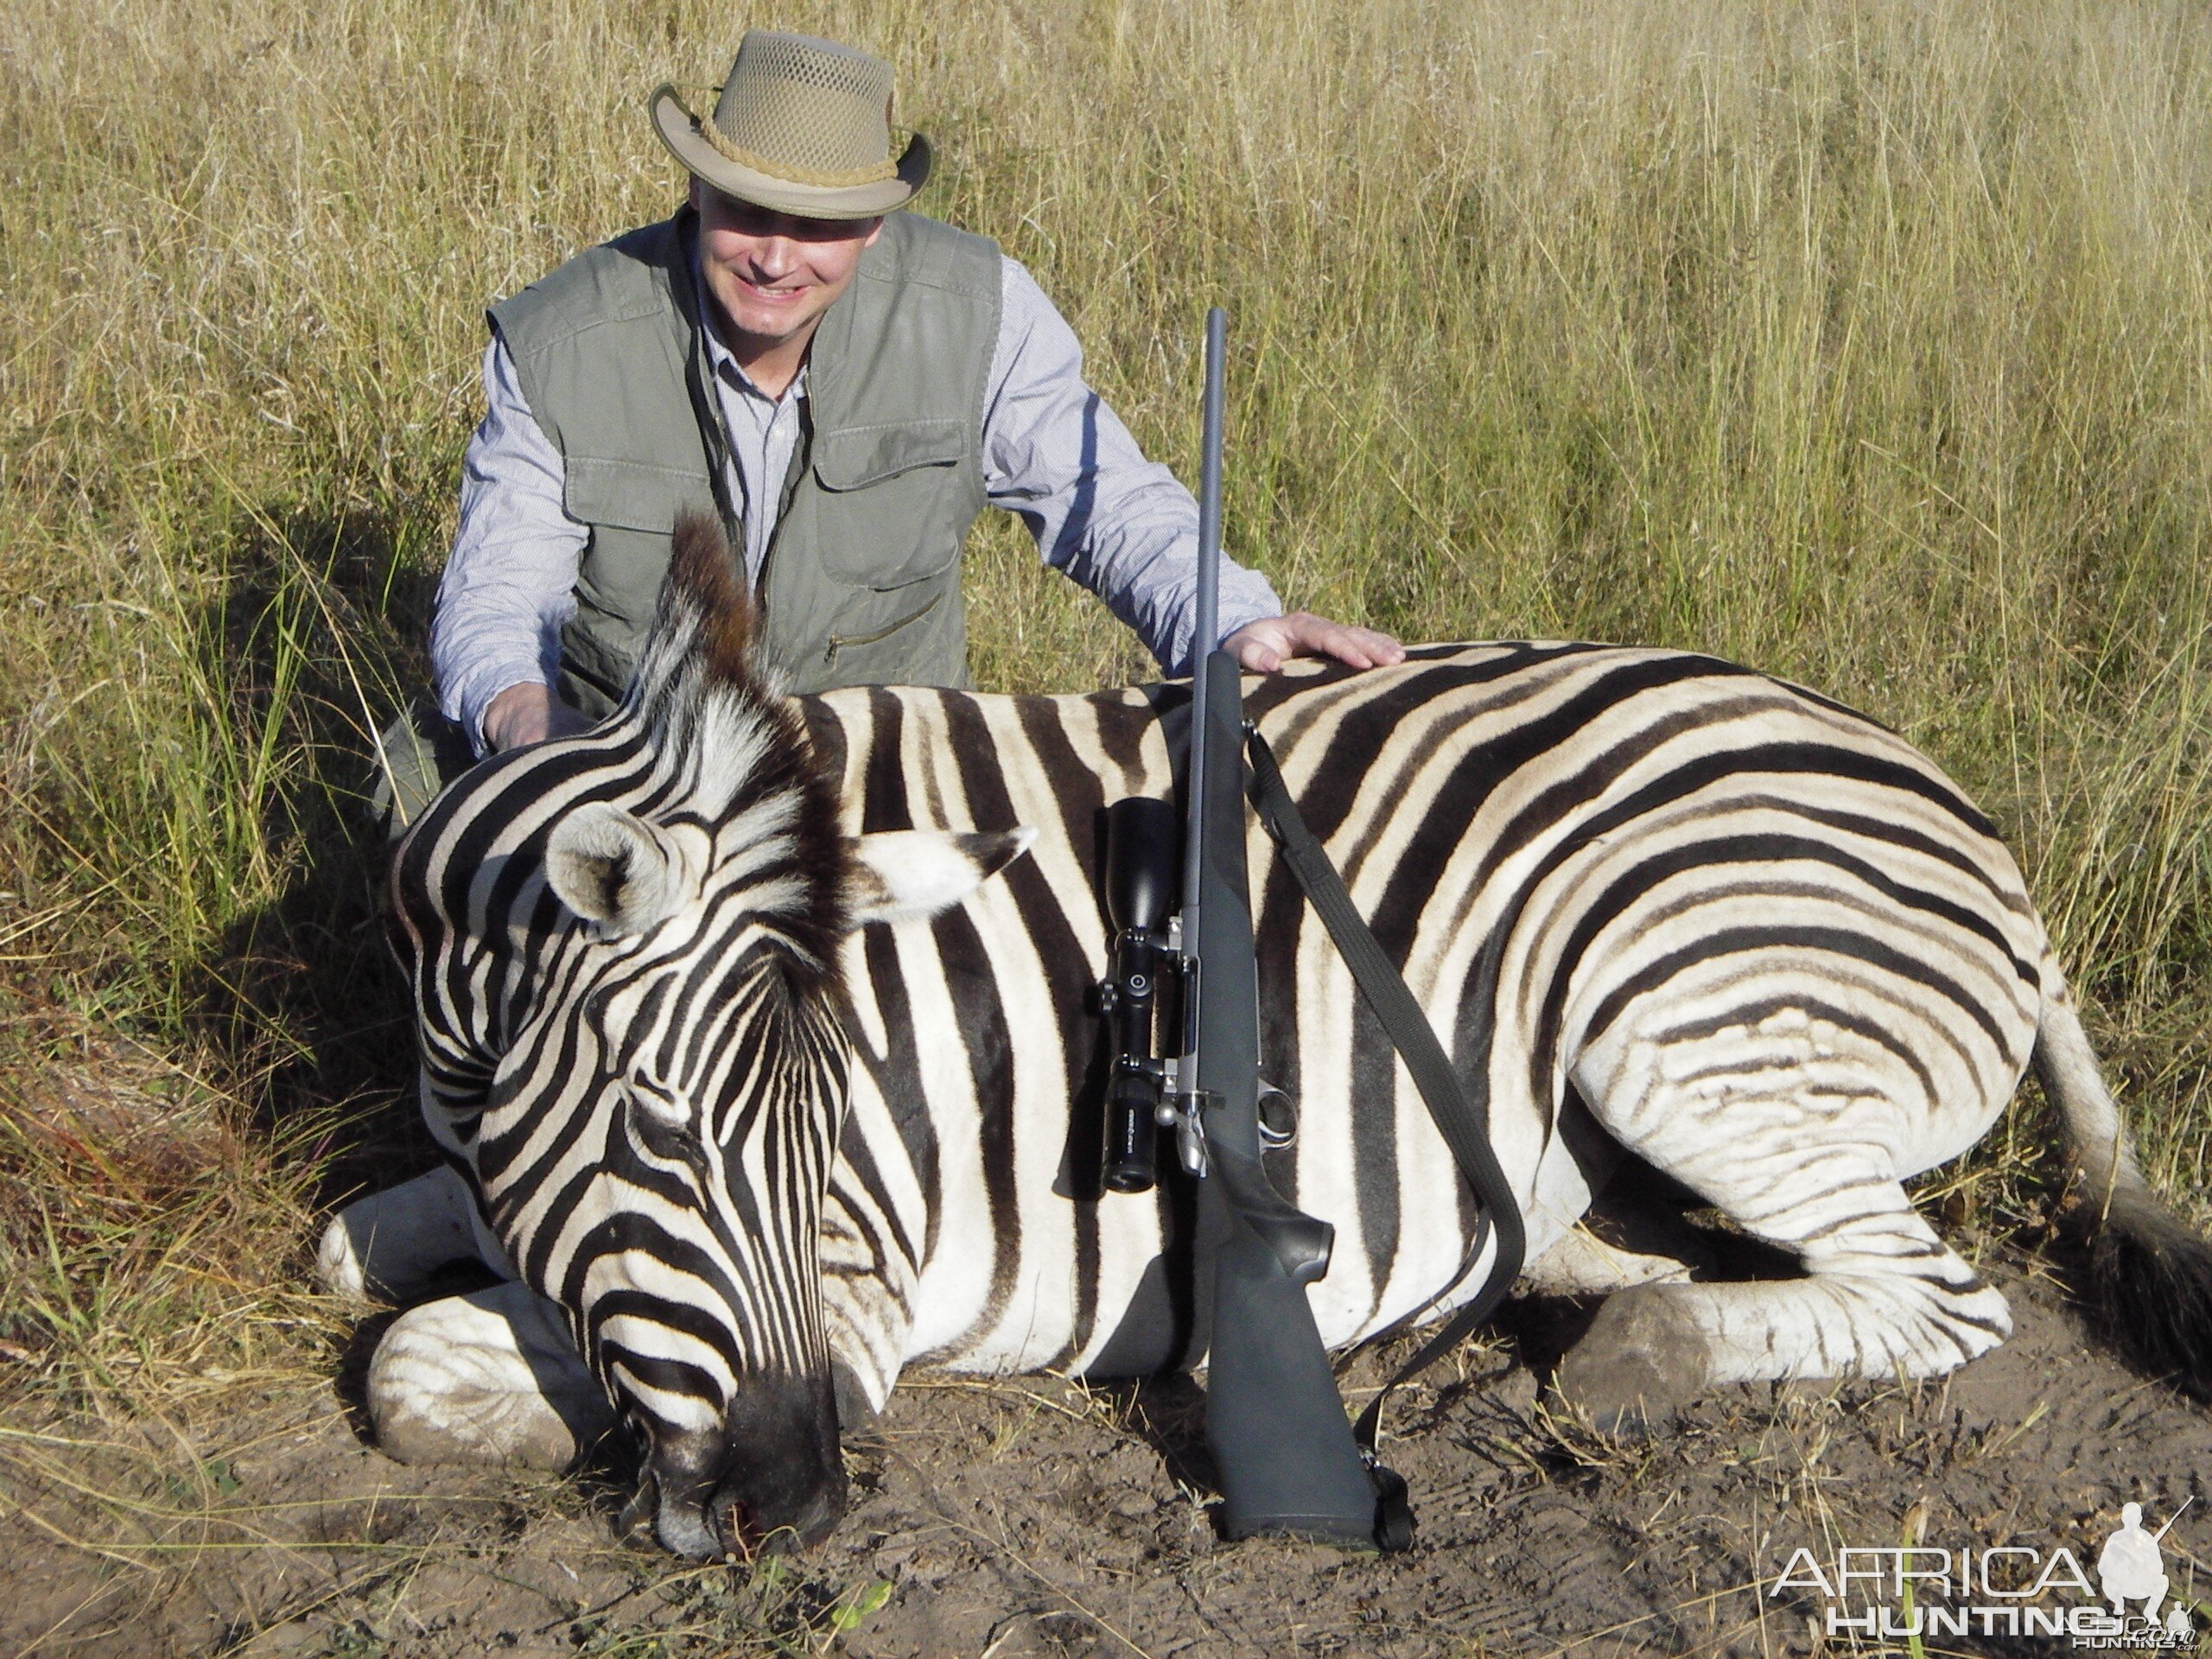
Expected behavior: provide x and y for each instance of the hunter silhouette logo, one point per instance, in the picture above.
(2011, 1590)
(2130, 1568)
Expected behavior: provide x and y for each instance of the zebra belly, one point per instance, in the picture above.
(1045, 1310)
(1143, 1333)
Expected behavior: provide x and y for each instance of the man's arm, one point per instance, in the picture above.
(1054, 454)
(510, 583)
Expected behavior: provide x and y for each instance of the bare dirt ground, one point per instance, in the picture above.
(1037, 1517)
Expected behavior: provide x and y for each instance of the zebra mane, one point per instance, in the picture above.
(719, 725)
(701, 639)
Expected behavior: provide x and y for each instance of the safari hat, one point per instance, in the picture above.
(802, 126)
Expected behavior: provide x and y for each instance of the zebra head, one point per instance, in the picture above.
(624, 952)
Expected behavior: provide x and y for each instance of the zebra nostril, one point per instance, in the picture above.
(816, 1521)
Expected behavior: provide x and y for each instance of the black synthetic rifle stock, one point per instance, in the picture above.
(1281, 1442)
(1287, 1460)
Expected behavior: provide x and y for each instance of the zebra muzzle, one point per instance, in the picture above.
(726, 1531)
(744, 1536)
(772, 1480)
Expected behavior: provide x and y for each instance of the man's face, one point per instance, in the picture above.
(775, 275)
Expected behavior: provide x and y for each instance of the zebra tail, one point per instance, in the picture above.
(2150, 1275)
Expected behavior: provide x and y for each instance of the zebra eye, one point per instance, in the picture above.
(655, 1104)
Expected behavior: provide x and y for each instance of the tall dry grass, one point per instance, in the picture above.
(1867, 342)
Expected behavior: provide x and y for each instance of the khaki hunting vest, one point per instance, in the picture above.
(862, 582)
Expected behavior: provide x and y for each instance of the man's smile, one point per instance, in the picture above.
(771, 296)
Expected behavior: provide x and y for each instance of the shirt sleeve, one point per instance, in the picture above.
(509, 585)
(1054, 454)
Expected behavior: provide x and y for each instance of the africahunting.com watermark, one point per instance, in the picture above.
(1937, 1589)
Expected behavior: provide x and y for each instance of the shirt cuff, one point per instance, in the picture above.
(1245, 596)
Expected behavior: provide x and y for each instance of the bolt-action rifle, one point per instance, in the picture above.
(1288, 1463)
(1281, 1442)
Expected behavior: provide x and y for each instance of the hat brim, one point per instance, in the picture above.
(679, 130)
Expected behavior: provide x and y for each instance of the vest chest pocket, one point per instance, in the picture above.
(894, 501)
(632, 509)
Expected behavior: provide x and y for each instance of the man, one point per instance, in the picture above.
(847, 385)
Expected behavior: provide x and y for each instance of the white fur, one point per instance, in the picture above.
(391, 1243)
(913, 874)
(491, 1378)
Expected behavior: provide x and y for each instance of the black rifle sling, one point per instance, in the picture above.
(1465, 1126)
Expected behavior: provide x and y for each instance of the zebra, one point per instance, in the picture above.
(754, 1032)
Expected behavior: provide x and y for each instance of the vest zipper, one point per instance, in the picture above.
(839, 641)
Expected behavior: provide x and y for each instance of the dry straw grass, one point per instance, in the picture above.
(1869, 343)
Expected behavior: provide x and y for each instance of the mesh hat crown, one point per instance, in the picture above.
(802, 126)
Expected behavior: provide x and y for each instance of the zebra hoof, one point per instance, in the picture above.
(1641, 1359)
(491, 1378)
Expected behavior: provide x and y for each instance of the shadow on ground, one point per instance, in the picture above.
(325, 627)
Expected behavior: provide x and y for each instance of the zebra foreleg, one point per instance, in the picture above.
(1883, 1296)
(392, 1243)
(489, 1378)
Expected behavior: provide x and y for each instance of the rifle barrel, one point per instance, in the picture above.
(2170, 1519)
(1207, 616)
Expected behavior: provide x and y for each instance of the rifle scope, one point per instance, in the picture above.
(1141, 856)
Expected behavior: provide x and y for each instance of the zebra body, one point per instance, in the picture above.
(1618, 826)
(765, 1049)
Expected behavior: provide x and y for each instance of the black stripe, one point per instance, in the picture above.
(870, 1220)
(679, 1316)
(989, 1044)
(1085, 1060)
(1123, 724)
(668, 1376)
(899, 1079)
(1898, 835)
(630, 1229)
(883, 780)
(1752, 1014)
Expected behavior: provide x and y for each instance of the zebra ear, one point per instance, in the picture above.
(903, 874)
(612, 867)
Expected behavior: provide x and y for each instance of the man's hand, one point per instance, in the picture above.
(1265, 645)
(529, 714)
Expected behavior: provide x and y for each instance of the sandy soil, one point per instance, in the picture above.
(1037, 1517)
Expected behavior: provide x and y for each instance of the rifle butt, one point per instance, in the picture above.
(1281, 1443)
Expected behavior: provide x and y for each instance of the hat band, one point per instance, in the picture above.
(879, 173)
